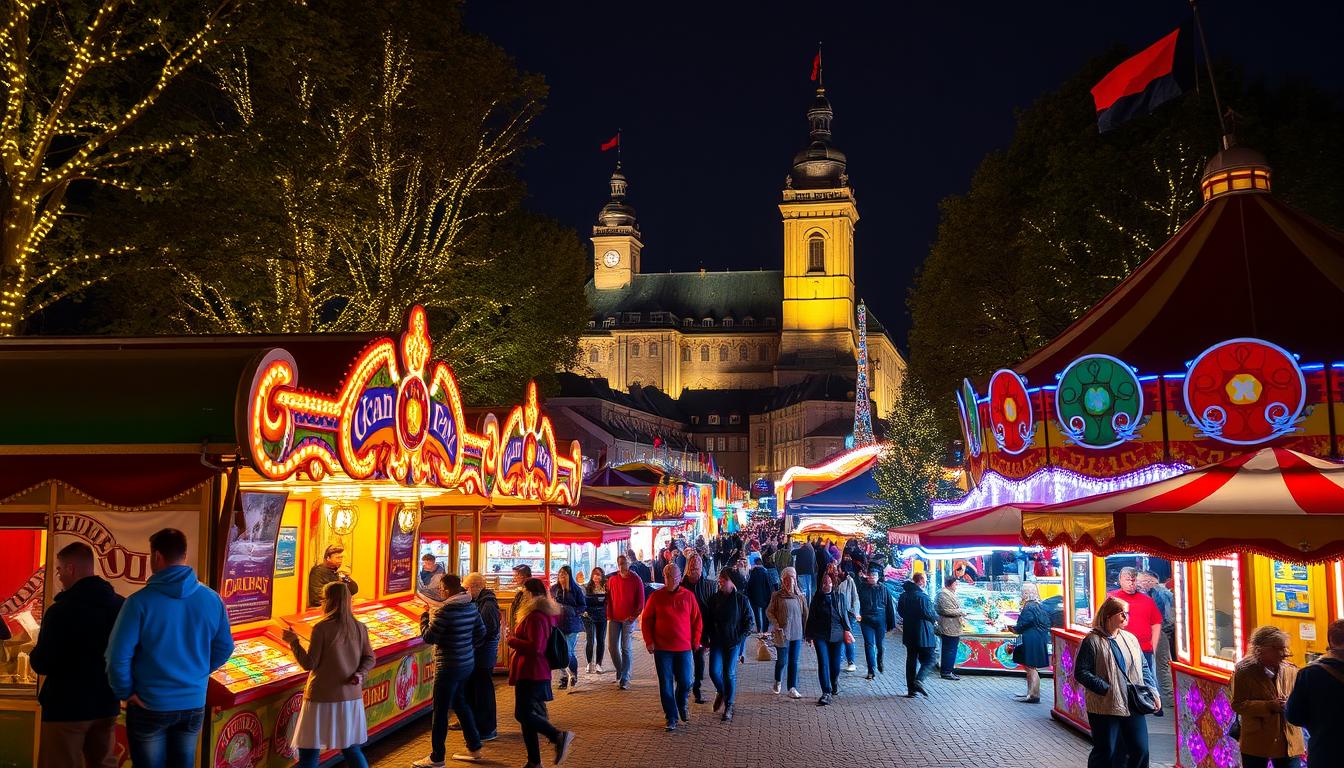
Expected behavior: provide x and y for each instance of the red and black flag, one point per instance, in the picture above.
(1146, 80)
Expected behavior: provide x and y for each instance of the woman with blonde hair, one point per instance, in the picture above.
(1032, 651)
(337, 659)
(1261, 683)
(1119, 688)
(788, 615)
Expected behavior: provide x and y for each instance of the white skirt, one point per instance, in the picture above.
(330, 725)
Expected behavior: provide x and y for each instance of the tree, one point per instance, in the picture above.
(1053, 222)
(909, 472)
(79, 78)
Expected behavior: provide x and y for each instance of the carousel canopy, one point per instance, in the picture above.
(1245, 264)
(999, 526)
(1276, 502)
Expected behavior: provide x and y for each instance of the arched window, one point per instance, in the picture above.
(594, 355)
(685, 354)
(742, 353)
(634, 349)
(653, 349)
(816, 253)
(704, 353)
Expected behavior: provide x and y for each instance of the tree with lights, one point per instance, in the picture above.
(79, 78)
(909, 471)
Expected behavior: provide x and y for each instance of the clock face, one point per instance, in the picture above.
(611, 258)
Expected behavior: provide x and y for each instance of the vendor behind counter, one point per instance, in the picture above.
(326, 572)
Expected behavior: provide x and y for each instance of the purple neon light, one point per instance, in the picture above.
(1051, 485)
(1194, 744)
(1226, 754)
(1194, 702)
(1222, 710)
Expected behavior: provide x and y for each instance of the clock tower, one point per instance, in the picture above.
(616, 242)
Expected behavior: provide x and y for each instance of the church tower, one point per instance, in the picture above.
(616, 242)
(819, 215)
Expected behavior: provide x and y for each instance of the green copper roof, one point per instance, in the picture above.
(739, 295)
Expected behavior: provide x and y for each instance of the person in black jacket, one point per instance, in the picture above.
(703, 589)
(79, 710)
(828, 629)
(759, 592)
(569, 594)
(917, 622)
(877, 616)
(480, 691)
(728, 621)
(457, 633)
(805, 565)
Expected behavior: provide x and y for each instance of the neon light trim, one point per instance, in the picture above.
(835, 468)
(1050, 485)
(403, 423)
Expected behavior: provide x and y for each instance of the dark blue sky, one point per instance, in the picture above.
(712, 96)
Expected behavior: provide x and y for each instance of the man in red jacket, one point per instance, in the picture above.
(672, 625)
(625, 601)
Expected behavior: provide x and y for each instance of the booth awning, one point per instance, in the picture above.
(604, 507)
(853, 495)
(116, 480)
(1276, 502)
(999, 526)
(834, 526)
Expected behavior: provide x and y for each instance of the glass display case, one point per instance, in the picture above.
(256, 661)
(990, 607)
(388, 625)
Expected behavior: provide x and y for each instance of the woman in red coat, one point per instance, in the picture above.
(530, 675)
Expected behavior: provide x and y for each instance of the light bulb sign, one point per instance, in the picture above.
(398, 416)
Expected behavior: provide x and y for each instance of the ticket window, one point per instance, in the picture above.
(22, 591)
(1221, 612)
(1081, 605)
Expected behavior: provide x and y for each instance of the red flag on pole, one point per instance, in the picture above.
(816, 67)
(612, 143)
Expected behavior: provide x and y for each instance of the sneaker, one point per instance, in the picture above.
(600, 670)
(671, 727)
(879, 668)
(564, 682)
(951, 676)
(683, 713)
(850, 667)
(775, 687)
(491, 736)
(427, 762)
(590, 667)
(468, 757)
(794, 694)
(562, 746)
(718, 701)
(625, 685)
(824, 700)
(869, 676)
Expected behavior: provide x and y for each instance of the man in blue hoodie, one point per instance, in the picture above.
(167, 640)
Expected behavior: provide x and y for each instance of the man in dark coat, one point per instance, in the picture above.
(79, 710)
(877, 616)
(327, 571)
(918, 620)
(805, 564)
(640, 569)
(457, 633)
(759, 593)
(727, 624)
(703, 589)
(481, 685)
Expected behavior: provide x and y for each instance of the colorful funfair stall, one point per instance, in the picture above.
(1221, 343)
(271, 453)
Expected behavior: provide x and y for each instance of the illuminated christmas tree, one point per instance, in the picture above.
(863, 417)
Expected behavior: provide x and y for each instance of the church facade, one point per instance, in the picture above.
(763, 338)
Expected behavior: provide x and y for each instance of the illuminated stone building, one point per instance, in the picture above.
(757, 360)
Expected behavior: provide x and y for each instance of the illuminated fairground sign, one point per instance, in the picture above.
(398, 417)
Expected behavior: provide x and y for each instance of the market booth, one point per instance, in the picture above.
(983, 550)
(215, 436)
(1222, 342)
(831, 501)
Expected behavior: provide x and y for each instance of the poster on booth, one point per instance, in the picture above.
(400, 558)
(286, 547)
(120, 540)
(249, 565)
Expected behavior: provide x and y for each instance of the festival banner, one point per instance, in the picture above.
(249, 564)
(120, 540)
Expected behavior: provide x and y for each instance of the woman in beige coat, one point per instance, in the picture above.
(337, 659)
(1109, 661)
(1261, 684)
(788, 616)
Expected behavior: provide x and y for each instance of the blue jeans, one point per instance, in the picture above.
(450, 692)
(480, 690)
(873, 637)
(1251, 761)
(948, 658)
(805, 582)
(572, 641)
(1118, 742)
(354, 757)
(674, 681)
(791, 650)
(849, 653)
(828, 664)
(163, 739)
(723, 673)
(619, 636)
(762, 621)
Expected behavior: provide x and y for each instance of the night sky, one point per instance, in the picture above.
(712, 99)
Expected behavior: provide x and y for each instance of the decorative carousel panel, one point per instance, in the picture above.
(1099, 402)
(1245, 392)
(1011, 419)
(1070, 701)
(1203, 715)
(969, 409)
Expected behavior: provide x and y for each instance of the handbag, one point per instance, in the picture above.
(557, 650)
(764, 651)
(1139, 698)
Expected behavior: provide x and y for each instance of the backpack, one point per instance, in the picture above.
(557, 650)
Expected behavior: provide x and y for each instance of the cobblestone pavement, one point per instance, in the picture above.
(971, 722)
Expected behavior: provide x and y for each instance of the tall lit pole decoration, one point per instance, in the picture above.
(863, 417)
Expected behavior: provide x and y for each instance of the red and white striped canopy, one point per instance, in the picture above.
(999, 526)
(1274, 501)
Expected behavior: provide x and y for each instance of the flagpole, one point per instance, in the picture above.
(1208, 63)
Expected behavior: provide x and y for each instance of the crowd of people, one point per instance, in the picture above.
(153, 652)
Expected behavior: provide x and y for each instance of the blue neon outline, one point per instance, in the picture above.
(1138, 419)
(1297, 413)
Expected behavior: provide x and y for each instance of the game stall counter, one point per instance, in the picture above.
(213, 436)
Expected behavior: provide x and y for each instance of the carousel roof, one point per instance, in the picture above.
(1274, 501)
(1246, 264)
